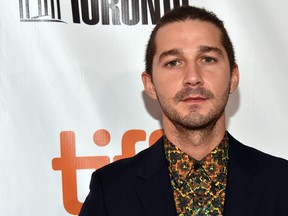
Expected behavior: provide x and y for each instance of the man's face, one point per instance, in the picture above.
(192, 79)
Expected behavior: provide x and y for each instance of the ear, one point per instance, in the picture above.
(234, 79)
(149, 85)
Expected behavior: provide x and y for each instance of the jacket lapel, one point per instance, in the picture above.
(243, 186)
(156, 193)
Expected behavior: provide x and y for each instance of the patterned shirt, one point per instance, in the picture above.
(198, 186)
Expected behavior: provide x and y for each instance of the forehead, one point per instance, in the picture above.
(186, 34)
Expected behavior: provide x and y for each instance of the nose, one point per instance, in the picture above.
(192, 75)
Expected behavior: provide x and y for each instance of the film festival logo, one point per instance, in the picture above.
(103, 12)
(41, 11)
(68, 163)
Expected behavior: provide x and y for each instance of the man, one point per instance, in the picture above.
(197, 167)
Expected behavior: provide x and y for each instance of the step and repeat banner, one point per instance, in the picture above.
(71, 96)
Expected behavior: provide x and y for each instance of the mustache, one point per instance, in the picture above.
(183, 93)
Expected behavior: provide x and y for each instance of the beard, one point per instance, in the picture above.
(194, 120)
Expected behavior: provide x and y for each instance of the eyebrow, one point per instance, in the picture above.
(204, 49)
(201, 49)
(172, 52)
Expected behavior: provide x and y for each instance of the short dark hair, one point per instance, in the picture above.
(188, 13)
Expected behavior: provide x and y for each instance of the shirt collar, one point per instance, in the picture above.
(181, 165)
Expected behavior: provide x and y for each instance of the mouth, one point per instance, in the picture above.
(193, 96)
(194, 99)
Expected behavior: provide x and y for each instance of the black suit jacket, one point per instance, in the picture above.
(140, 186)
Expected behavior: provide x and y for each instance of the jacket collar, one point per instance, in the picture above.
(156, 193)
(243, 185)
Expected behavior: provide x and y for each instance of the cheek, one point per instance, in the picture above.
(220, 87)
(225, 89)
(161, 83)
(160, 89)
(165, 91)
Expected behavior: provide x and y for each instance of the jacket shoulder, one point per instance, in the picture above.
(130, 166)
(264, 161)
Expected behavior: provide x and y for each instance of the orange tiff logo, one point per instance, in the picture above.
(69, 163)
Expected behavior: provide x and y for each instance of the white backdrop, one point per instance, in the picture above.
(66, 76)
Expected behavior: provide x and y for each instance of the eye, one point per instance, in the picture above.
(173, 63)
(208, 59)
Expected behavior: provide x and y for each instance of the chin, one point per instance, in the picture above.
(196, 121)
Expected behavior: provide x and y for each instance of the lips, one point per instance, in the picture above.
(194, 99)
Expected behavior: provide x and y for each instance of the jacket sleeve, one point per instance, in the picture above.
(94, 202)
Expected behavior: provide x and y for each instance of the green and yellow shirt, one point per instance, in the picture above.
(198, 186)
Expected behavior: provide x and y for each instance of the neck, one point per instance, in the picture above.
(196, 143)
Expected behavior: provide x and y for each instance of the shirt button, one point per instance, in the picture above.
(200, 198)
(197, 166)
